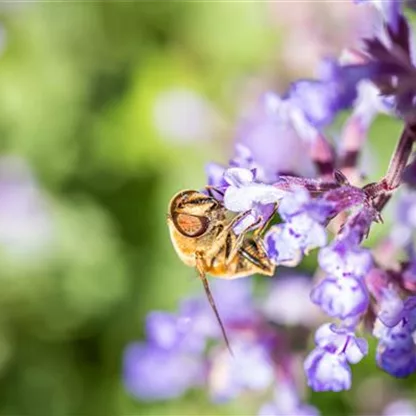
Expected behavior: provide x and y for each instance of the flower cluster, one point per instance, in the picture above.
(179, 354)
(331, 210)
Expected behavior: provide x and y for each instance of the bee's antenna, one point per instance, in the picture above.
(215, 310)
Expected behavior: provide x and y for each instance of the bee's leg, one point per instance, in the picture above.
(211, 188)
(232, 246)
(237, 218)
(200, 266)
(259, 232)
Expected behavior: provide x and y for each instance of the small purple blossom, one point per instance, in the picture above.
(336, 90)
(343, 259)
(391, 307)
(250, 368)
(341, 297)
(302, 230)
(243, 192)
(287, 301)
(154, 373)
(396, 350)
(326, 371)
(280, 247)
(26, 226)
(400, 407)
(327, 366)
(287, 402)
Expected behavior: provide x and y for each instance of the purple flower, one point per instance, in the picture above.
(26, 227)
(396, 353)
(396, 350)
(391, 306)
(274, 145)
(287, 111)
(242, 158)
(302, 230)
(389, 9)
(281, 247)
(154, 373)
(390, 63)
(400, 408)
(303, 219)
(344, 259)
(326, 371)
(170, 331)
(287, 402)
(341, 340)
(249, 369)
(368, 104)
(320, 101)
(327, 366)
(234, 301)
(405, 216)
(341, 297)
(243, 192)
(288, 303)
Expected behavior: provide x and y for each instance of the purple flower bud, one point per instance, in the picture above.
(243, 157)
(154, 373)
(410, 312)
(341, 297)
(398, 361)
(391, 307)
(396, 351)
(326, 371)
(215, 175)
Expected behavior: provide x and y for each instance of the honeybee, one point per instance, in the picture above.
(201, 230)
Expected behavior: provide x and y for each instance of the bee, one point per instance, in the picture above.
(201, 230)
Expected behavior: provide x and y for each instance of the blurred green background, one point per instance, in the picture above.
(115, 107)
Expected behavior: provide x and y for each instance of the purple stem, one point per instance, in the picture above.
(314, 186)
(382, 190)
(322, 154)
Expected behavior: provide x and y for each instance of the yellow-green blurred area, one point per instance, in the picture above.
(114, 107)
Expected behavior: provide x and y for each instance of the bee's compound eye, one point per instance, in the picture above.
(191, 225)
